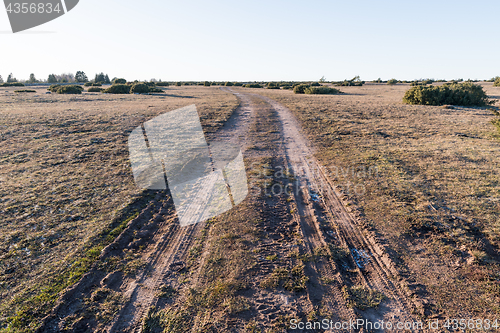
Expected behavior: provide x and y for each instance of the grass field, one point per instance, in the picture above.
(65, 183)
(425, 178)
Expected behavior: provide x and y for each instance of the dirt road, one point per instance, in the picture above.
(348, 256)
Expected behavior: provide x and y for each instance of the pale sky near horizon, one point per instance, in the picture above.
(261, 40)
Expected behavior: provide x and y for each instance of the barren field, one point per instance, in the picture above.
(66, 187)
(425, 179)
(360, 207)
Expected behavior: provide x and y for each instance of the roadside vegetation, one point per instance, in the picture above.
(463, 94)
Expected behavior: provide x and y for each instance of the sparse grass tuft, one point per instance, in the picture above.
(362, 298)
(292, 280)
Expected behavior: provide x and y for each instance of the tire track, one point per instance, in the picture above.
(378, 272)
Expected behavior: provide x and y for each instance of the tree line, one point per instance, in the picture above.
(79, 77)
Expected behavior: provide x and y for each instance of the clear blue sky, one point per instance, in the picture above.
(261, 40)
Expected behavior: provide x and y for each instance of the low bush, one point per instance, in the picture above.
(253, 85)
(207, 84)
(139, 88)
(12, 84)
(392, 82)
(155, 90)
(178, 84)
(379, 80)
(24, 91)
(162, 84)
(95, 89)
(53, 88)
(119, 81)
(300, 88)
(90, 84)
(238, 84)
(321, 91)
(315, 84)
(464, 94)
(228, 84)
(71, 89)
(497, 82)
(118, 89)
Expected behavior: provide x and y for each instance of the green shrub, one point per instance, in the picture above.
(464, 94)
(139, 88)
(238, 84)
(253, 85)
(90, 84)
(155, 90)
(300, 88)
(162, 84)
(206, 84)
(392, 82)
(118, 89)
(119, 81)
(24, 91)
(228, 84)
(95, 89)
(53, 88)
(12, 84)
(322, 91)
(497, 82)
(72, 89)
(315, 84)
(178, 84)
(379, 80)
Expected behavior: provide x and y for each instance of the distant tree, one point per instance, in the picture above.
(52, 78)
(32, 78)
(65, 78)
(11, 78)
(1, 79)
(322, 80)
(81, 77)
(106, 79)
(100, 78)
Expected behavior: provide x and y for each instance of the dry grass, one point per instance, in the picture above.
(425, 178)
(66, 183)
